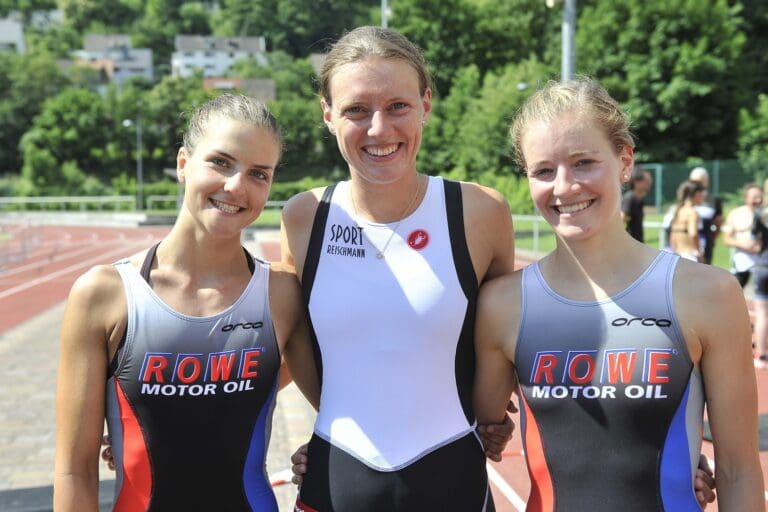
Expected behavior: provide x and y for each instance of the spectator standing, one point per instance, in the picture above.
(739, 233)
(685, 224)
(710, 212)
(632, 202)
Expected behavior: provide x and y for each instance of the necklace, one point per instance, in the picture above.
(380, 253)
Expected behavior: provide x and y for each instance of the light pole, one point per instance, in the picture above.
(139, 161)
(384, 13)
(568, 55)
(568, 62)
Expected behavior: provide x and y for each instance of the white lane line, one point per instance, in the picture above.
(93, 261)
(505, 489)
(61, 255)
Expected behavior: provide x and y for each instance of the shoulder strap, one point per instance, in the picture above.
(316, 241)
(148, 259)
(454, 208)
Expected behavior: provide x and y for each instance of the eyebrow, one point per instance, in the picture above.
(230, 157)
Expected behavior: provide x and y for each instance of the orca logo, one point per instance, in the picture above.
(647, 322)
(244, 325)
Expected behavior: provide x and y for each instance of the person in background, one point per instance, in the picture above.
(710, 211)
(760, 296)
(685, 224)
(610, 343)
(632, 202)
(180, 346)
(738, 233)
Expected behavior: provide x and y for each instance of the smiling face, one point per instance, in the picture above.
(575, 174)
(377, 115)
(228, 175)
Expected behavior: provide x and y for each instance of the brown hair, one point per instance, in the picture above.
(583, 95)
(369, 41)
(231, 106)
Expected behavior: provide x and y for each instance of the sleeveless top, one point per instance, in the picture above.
(611, 404)
(393, 336)
(189, 404)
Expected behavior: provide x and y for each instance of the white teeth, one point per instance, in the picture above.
(381, 150)
(572, 208)
(226, 208)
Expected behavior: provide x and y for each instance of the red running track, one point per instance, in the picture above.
(39, 264)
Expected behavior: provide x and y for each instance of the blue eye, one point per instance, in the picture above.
(540, 173)
(355, 111)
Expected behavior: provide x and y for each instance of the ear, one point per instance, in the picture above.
(326, 106)
(627, 158)
(182, 158)
(426, 105)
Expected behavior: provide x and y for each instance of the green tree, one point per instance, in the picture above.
(753, 138)
(444, 30)
(309, 149)
(486, 33)
(442, 137)
(117, 15)
(70, 128)
(157, 28)
(57, 40)
(298, 27)
(484, 127)
(195, 19)
(755, 54)
(25, 7)
(674, 64)
(293, 77)
(164, 114)
(25, 83)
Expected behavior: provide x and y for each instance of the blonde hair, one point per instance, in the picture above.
(370, 41)
(581, 95)
(236, 107)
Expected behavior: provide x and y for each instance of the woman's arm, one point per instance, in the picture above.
(496, 329)
(714, 317)
(88, 325)
(287, 305)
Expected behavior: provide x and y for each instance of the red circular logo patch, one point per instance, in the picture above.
(418, 239)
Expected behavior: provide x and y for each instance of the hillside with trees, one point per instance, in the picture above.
(691, 73)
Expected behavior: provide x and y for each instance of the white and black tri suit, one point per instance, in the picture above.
(393, 340)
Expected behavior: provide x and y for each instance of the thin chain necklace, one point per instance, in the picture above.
(380, 253)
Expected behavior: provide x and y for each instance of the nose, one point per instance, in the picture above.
(379, 124)
(565, 181)
(234, 183)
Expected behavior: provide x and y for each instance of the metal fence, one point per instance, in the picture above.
(725, 177)
(68, 203)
